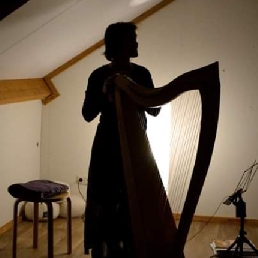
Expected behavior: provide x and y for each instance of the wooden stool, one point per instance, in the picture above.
(48, 202)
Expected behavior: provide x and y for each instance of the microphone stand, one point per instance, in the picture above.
(240, 204)
(238, 244)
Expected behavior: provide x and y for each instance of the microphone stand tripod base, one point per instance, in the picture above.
(237, 249)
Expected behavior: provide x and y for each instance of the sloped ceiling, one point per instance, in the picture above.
(9, 6)
(42, 35)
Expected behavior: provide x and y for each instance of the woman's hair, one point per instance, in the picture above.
(114, 36)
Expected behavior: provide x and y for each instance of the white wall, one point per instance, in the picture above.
(183, 36)
(19, 154)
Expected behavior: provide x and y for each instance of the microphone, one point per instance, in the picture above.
(232, 197)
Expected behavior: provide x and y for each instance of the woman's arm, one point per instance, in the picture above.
(149, 84)
(93, 98)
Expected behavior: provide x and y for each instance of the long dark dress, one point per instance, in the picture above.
(106, 215)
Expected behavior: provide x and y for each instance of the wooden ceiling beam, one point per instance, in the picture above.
(12, 91)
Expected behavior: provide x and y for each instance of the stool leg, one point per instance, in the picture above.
(35, 224)
(15, 226)
(50, 230)
(69, 226)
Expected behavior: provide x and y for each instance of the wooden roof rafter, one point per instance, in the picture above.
(13, 91)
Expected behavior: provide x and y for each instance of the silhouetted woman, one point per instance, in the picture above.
(107, 225)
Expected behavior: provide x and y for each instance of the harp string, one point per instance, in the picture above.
(192, 150)
(186, 108)
(178, 134)
(186, 153)
(176, 114)
(188, 149)
(182, 173)
(184, 140)
(181, 117)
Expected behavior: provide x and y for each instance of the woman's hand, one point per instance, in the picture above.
(121, 79)
(108, 88)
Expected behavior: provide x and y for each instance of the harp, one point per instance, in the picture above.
(155, 233)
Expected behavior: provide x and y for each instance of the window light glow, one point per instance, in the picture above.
(159, 135)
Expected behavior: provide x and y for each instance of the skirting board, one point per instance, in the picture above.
(199, 218)
(196, 218)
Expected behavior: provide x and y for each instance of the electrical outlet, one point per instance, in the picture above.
(81, 180)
